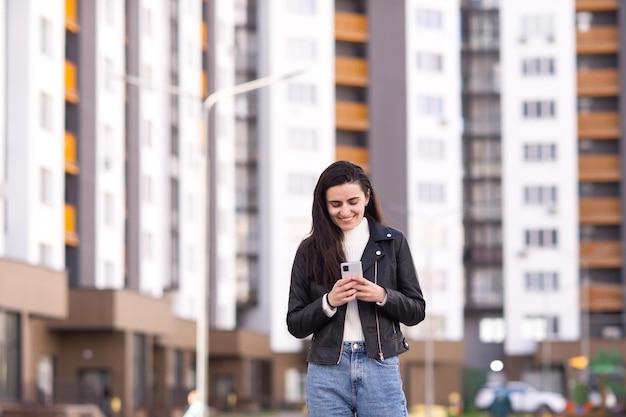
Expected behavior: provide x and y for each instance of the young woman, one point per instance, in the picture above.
(355, 321)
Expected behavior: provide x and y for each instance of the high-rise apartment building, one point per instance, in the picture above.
(103, 201)
(544, 281)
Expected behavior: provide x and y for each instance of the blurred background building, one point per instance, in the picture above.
(491, 131)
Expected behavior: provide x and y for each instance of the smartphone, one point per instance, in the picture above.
(349, 269)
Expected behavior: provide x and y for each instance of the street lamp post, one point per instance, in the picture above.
(202, 323)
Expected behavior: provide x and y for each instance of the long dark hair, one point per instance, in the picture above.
(323, 248)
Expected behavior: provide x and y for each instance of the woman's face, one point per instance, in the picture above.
(346, 205)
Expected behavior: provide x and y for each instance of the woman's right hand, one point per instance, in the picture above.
(342, 292)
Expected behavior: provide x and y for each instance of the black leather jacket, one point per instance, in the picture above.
(386, 261)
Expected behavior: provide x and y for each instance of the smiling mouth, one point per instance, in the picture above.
(346, 218)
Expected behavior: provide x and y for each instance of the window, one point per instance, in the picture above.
(45, 255)
(484, 117)
(108, 274)
(109, 74)
(146, 133)
(45, 379)
(433, 279)
(429, 61)
(146, 245)
(299, 139)
(541, 281)
(301, 6)
(429, 19)
(108, 147)
(539, 109)
(301, 93)
(146, 22)
(547, 238)
(486, 159)
(431, 192)
(486, 286)
(533, 67)
(46, 36)
(486, 235)
(295, 385)
(146, 75)
(299, 49)
(45, 186)
(492, 330)
(45, 108)
(540, 195)
(538, 328)
(540, 152)
(431, 149)
(300, 183)
(110, 12)
(430, 105)
(109, 210)
(430, 235)
(146, 189)
(10, 358)
(541, 26)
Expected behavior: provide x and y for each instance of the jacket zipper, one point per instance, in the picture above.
(380, 348)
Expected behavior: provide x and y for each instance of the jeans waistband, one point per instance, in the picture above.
(354, 346)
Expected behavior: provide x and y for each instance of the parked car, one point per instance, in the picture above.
(524, 398)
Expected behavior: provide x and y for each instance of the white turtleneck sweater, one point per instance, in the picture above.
(354, 242)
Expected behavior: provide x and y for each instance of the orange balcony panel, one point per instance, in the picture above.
(71, 89)
(71, 167)
(355, 154)
(597, 40)
(600, 254)
(599, 168)
(598, 82)
(204, 40)
(351, 71)
(350, 27)
(596, 5)
(351, 116)
(601, 298)
(71, 237)
(71, 16)
(205, 85)
(598, 125)
(600, 211)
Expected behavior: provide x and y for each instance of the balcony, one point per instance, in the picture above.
(71, 83)
(598, 125)
(204, 85)
(71, 165)
(351, 116)
(356, 154)
(598, 40)
(71, 236)
(71, 16)
(598, 82)
(596, 5)
(351, 71)
(350, 27)
(601, 298)
(599, 168)
(600, 211)
(205, 40)
(600, 254)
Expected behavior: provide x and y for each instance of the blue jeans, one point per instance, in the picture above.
(357, 386)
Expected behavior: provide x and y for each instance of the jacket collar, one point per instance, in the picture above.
(373, 250)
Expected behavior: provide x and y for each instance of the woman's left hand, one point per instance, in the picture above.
(366, 290)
